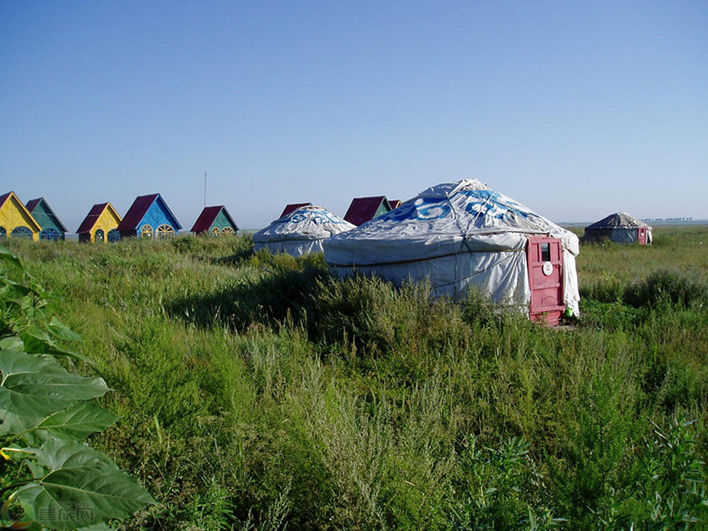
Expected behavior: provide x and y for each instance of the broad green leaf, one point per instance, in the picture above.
(62, 331)
(37, 341)
(14, 296)
(81, 487)
(13, 290)
(33, 387)
(76, 423)
(11, 342)
(36, 469)
(9, 259)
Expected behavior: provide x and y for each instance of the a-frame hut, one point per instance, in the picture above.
(15, 220)
(149, 217)
(215, 220)
(100, 225)
(363, 209)
(52, 228)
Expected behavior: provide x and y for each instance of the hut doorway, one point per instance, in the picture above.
(642, 235)
(545, 261)
(51, 235)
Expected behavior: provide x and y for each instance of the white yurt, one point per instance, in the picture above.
(464, 234)
(302, 231)
(620, 227)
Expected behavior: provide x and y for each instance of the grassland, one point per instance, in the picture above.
(257, 392)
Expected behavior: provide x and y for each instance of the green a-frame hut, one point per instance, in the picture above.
(215, 220)
(52, 228)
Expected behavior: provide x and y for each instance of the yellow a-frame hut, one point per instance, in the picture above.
(15, 220)
(101, 224)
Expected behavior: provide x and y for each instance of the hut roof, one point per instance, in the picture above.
(292, 207)
(363, 209)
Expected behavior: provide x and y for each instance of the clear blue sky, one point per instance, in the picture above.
(575, 109)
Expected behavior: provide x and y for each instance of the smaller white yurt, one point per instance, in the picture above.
(463, 234)
(302, 231)
(620, 227)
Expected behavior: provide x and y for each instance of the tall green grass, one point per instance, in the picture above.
(256, 391)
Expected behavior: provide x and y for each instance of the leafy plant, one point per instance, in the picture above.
(56, 480)
(498, 489)
(674, 476)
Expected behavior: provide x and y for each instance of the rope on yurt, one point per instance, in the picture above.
(464, 232)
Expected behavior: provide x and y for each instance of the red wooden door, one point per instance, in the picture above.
(545, 260)
(642, 236)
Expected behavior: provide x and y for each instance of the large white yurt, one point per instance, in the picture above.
(464, 234)
(302, 231)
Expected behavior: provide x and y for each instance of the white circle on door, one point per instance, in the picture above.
(547, 268)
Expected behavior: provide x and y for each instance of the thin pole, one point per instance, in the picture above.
(205, 190)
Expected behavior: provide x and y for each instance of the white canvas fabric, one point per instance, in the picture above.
(457, 235)
(300, 232)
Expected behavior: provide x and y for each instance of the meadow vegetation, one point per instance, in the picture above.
(256, 391)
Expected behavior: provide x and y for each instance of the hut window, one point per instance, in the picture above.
(99, 235)
(22, 232)
(227, 230)
(113, 236)
(147, 231)
(215, 231)
(164, 231)
(3, 233)
(546, 252)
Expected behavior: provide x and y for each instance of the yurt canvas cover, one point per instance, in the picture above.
(619, 227)
(300, 232)
(458, 235)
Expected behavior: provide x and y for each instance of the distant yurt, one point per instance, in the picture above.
(620, 227)
(464, 234)
(302, 231)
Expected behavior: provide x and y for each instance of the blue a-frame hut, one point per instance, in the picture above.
(149, 217)
(52, 228)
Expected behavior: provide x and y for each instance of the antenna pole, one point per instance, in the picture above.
(205, 190)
